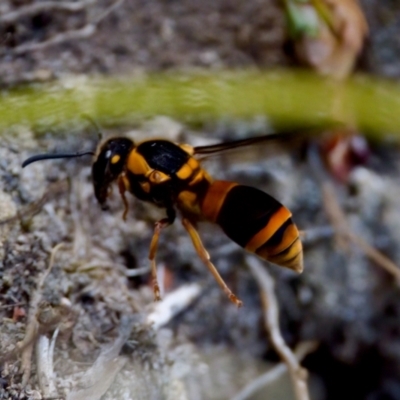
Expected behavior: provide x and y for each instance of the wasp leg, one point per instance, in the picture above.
(122, 190)
(204, 256)
(159, 225)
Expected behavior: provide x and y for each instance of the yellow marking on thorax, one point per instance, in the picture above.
(187, 169)
(187, 147)
(137, 164)
(188, 201)
(193, 163)
(157, 177)
(201, 175)
(185, 172)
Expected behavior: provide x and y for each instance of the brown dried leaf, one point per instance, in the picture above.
(341, 30)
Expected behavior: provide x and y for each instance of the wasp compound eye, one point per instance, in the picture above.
(108, 165)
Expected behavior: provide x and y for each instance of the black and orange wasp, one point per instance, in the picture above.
(171, 176)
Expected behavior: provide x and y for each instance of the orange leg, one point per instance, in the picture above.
(152, 255)
(204, 256)
(122, 190)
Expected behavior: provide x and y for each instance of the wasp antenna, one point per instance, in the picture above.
(94, 124)
(40, 157)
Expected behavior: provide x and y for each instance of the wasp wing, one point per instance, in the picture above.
(284, 140)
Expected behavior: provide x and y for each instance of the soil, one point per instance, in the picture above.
(210, 349)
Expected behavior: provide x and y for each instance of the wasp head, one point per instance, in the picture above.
(109, 164)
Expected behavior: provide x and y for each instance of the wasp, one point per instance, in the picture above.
(170, 176)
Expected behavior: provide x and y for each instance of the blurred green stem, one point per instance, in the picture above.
(286, 97)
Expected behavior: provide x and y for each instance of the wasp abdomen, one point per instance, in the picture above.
(256, 221)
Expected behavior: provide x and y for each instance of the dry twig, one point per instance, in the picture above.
(346, 235)
(44, 360)
(44, 6)
(92, 265)
(88, 30)
(172, 304)
(343, 232)
(33, 324)
(297, 374)
(302, 350)
(34, 208)
(130, 273)
(32, 328)
(99, 377)
(26, 346)
(81, 33)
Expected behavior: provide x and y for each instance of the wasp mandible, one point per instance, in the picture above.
(171, 177)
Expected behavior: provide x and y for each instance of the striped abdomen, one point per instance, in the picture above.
(256, 221)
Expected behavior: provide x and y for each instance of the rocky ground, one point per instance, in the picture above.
(93, 294)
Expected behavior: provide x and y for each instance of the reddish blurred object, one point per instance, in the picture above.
(342, 151)
(18, 312)
(328, 35)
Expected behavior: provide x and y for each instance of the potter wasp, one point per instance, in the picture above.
(171, 176)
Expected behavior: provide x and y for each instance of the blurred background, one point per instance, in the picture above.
(78, 319)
